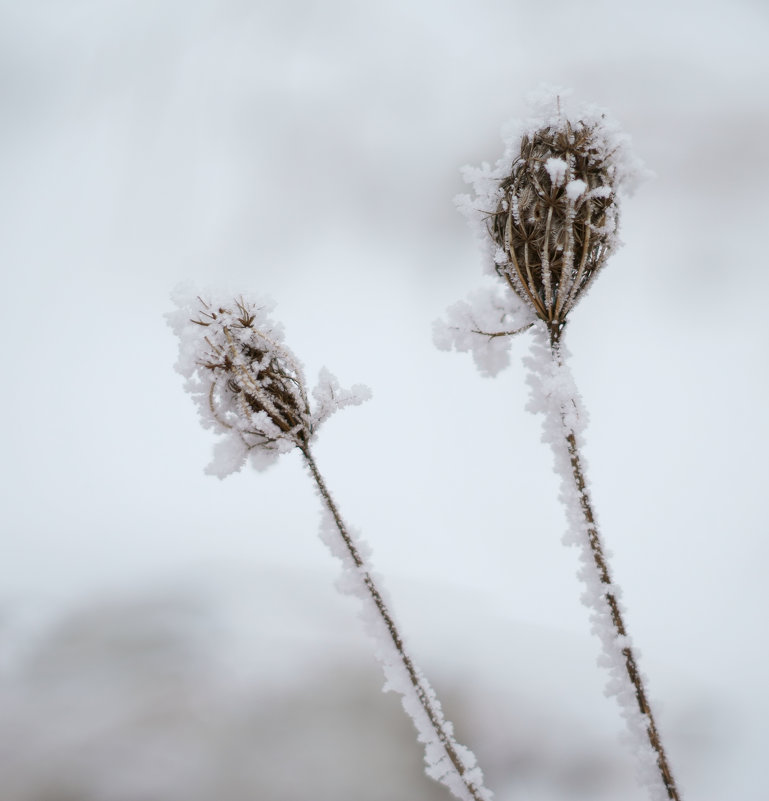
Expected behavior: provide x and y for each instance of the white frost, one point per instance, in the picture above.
(330, 397)
(483, 325)
(575, 188)
(358, 580)
(556, 169)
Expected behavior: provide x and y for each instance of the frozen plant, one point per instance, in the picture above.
(250, 389)
(547, 217)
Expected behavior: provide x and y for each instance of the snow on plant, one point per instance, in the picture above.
(250, 388)
(547, 217)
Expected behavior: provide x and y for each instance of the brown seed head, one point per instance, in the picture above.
(257, 385)
(556, 219)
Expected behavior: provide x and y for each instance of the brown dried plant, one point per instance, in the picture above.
(251, 389)
(555, 219)
(548, 215)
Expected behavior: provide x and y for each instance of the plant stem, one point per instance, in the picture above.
(421, 688)
(602, 569)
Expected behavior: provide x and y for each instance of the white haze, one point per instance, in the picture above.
(311, 152)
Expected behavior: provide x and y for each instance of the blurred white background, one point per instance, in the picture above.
(170, 636)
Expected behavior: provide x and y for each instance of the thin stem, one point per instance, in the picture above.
(419, 685)
(546, 265)
(493, 334)
(602, 568)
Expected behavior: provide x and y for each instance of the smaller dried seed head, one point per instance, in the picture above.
(556, 218)
(247, 385)
(256, 384)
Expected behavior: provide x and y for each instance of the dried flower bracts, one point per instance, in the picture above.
(556, 217)
(257, 386)
(247, 384)
(547, 218)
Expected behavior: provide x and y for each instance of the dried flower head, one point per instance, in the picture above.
(556, 218)
(248, 385)
(256, 384)
(549, 209)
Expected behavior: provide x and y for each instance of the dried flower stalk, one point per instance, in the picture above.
(620, 645)
(251, 388)
(548, 217)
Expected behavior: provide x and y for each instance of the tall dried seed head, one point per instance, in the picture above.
(257, 386)
(556, 218)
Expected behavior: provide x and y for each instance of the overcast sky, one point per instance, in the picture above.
(311, 152)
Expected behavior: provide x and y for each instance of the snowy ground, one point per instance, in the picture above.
(311, 152)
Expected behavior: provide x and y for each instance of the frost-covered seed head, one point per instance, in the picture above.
(556, 218)
(546, 218)
(247, 385)
(256, 384)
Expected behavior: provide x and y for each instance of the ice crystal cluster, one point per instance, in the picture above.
(547, 218)
(247, 385)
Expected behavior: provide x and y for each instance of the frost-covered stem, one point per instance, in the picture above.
(602, 569)
(422, 690)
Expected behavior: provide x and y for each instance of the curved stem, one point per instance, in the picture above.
(493, 334)
(422, 690)
(602, 569)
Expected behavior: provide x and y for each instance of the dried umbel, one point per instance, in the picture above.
(547, 217)
(250, 389)
(256, 386)
(248, 386)
(556, 218)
